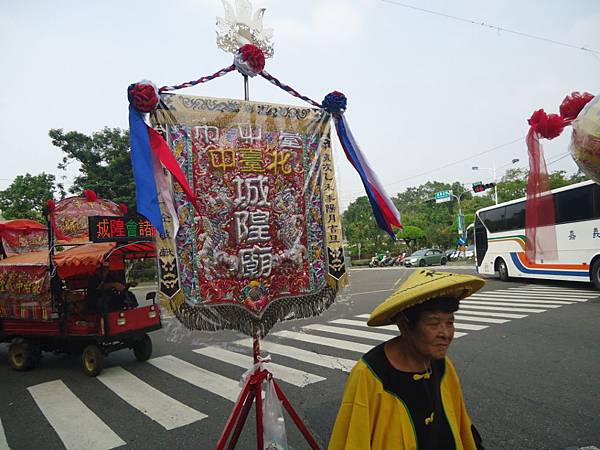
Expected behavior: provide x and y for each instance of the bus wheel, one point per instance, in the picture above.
(92, 360)
(502, 270)
(596, 274)
(23, 355)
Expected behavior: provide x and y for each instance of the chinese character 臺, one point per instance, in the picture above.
(251, 160)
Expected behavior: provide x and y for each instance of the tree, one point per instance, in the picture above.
(104, 159)
(410, 235)
(27, 195)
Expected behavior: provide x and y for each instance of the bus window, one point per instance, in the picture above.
(574, 205)
(515, 216)
(494, 219)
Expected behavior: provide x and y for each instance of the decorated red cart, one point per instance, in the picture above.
(71, 295)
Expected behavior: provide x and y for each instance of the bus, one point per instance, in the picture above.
(500, 238)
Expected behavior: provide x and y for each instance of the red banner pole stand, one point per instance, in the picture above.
(252, 391)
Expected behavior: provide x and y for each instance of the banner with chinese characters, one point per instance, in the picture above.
(267, 243)
(120, 229)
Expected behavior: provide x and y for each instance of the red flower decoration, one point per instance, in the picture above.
(572, 105)
(143, 96)
(249, 59)
(547, 126)
(90, 195)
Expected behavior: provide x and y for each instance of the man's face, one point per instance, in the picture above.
(433, 333)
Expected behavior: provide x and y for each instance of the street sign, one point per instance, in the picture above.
(461, 240)
(443, 196)
(120, 229)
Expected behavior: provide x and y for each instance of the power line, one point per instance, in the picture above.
(493, 27)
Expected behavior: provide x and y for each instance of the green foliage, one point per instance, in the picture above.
(410, 235)
(437, 223)
(104, 161)
(26, 197)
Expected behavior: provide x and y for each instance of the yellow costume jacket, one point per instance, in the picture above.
(386, 409)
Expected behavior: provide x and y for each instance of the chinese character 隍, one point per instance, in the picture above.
(252, 227)
(117, 228)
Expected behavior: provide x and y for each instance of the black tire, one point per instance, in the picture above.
(443, 261)
(92, 360)
(502, 270)
(143, 348)
(595, 275)
(422, 263)
(23, 355)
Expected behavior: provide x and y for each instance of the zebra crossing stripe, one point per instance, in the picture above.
(197, 376)
(464, 306)
(570, 298)
(492, 314)
(306, 356)
(483, 301)
(359, 323)
(3, 442)
(161, 408)
(536, 293)
(479, 319)
(288, 374)
(327, 342)
(357, 333)
(559, 292)
(76, 425)
(506, 298)
(556, 289)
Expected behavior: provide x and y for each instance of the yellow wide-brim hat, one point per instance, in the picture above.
(421, 286)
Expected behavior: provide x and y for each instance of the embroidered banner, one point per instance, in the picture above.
(267, 245)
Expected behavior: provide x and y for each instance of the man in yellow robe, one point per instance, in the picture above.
(405, 394)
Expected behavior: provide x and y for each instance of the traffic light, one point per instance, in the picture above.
(480, 187)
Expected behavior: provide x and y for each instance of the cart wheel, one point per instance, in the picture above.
(23, 355)
(92, 360)
(143, 348)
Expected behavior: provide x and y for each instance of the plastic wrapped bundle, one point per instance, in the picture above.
(585, 140)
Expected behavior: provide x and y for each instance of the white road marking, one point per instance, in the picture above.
(293, 376)
(543, 294)
(197, 376)
(161, 408)
(482, 301)
(360, 323)
(560, 291)
(3, 442)
(318, 359)
(514, 299)
(492, 314)
(357, 333)
(464, 306)
(328, 342)
(371, 292)
(479, 319)
(76, 425)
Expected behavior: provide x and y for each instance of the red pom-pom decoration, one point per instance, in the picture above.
(124, 209)
(143, 96)
(572, 105)
(547, 126)
(249, 60)
(51, 206)
(90, 195)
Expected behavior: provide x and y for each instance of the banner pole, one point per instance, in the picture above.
(246, 88)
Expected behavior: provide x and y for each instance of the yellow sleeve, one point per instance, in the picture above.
(456, 410)
(352, 429)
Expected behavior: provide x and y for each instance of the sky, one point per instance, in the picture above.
(424, 91)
